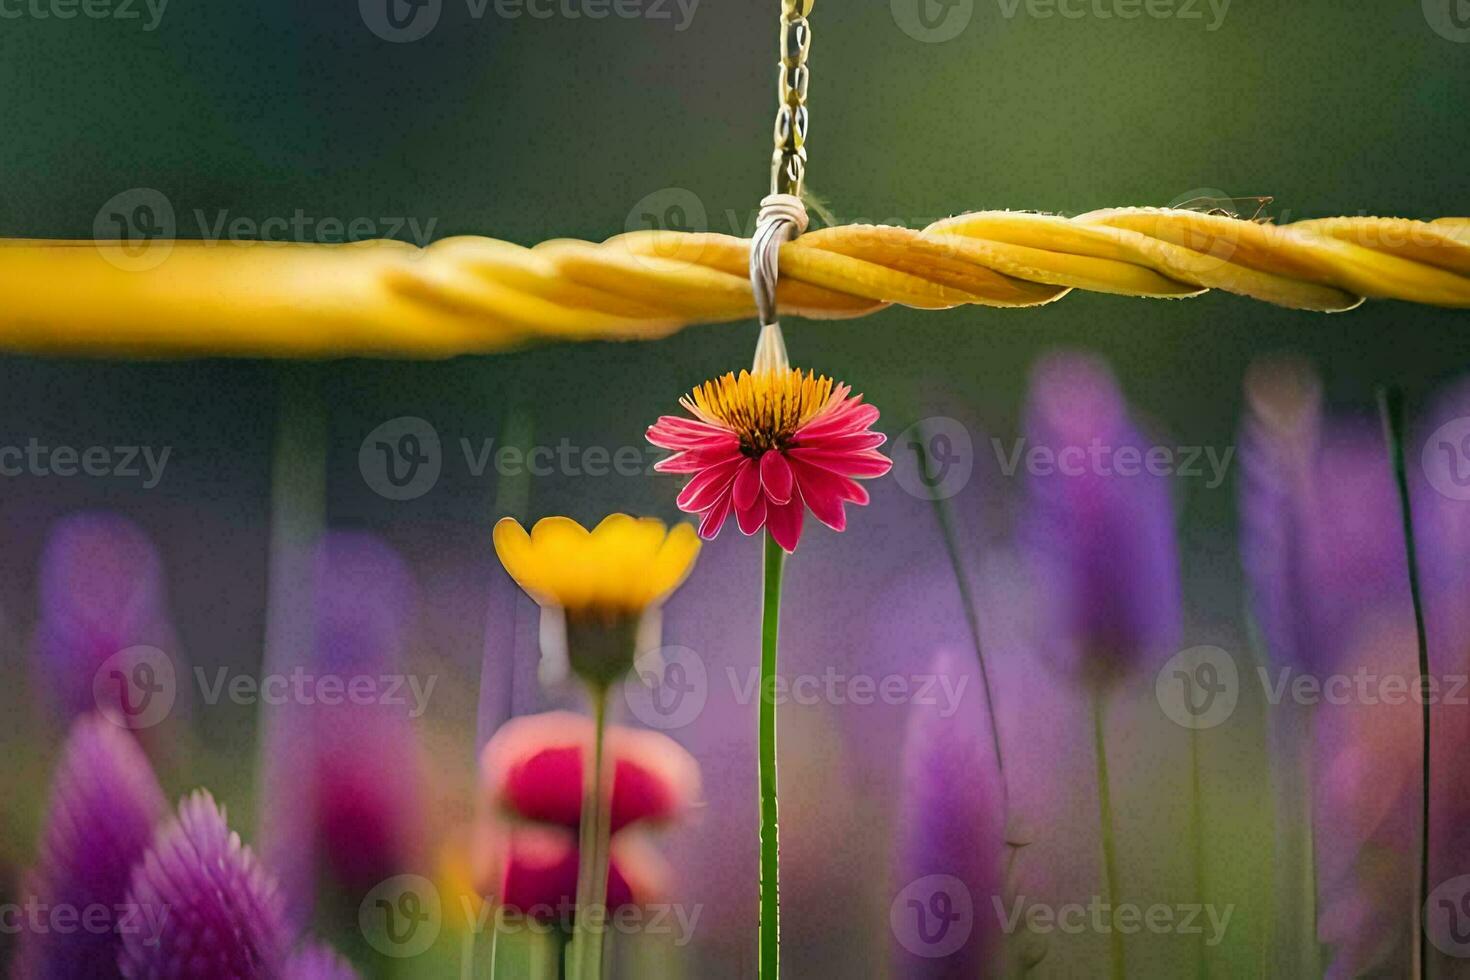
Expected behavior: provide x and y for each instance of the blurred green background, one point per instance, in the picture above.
(526, 129)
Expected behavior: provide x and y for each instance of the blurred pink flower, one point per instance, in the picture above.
(531, 778)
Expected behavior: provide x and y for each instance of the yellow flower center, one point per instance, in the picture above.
(764, 409)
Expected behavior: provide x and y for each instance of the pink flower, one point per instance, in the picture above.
(768, 446)
(526, 844)
(533, 868)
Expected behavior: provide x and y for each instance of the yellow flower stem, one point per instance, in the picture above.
(770, 876)
(585, 954)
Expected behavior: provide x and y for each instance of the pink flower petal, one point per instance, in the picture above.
(714, 518)
(532, 768)
(747, 485)
(702, 491)
(869, 463)
(672, 432)
(824, 492)
(534, 870)
(849, 417)
(694, 460)
(784, 522)
(847, 442)
(776, 477)
(752, 518)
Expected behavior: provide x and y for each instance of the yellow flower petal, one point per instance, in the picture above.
(621, 567)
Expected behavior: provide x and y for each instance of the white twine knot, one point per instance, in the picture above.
(782, 218)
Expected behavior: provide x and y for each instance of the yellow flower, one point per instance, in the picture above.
(618, 569)
(599, 590)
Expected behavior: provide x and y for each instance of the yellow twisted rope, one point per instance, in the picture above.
(471, 294)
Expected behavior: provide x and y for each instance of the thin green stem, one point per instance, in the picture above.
(770, 877)
(494, 940)
(585, 960)
(1105, 816)
(1391, 407)
(945, 520)
(1197, 837)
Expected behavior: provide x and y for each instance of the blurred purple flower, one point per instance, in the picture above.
(1365, 812)
(1327, 571)
(1099, 526)
(1321, 529)
(206, 908)
(317, 961)
(101, 590)
(104, 804)
(1436, 463)
(347, 800)
(951, 841)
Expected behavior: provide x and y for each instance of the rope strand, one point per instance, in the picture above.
(469, 294)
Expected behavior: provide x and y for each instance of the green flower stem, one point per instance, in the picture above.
(1105, 816)
(1197, 838)
(585, 954)
(1391, 406)
(967, 600)
(770, 877)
